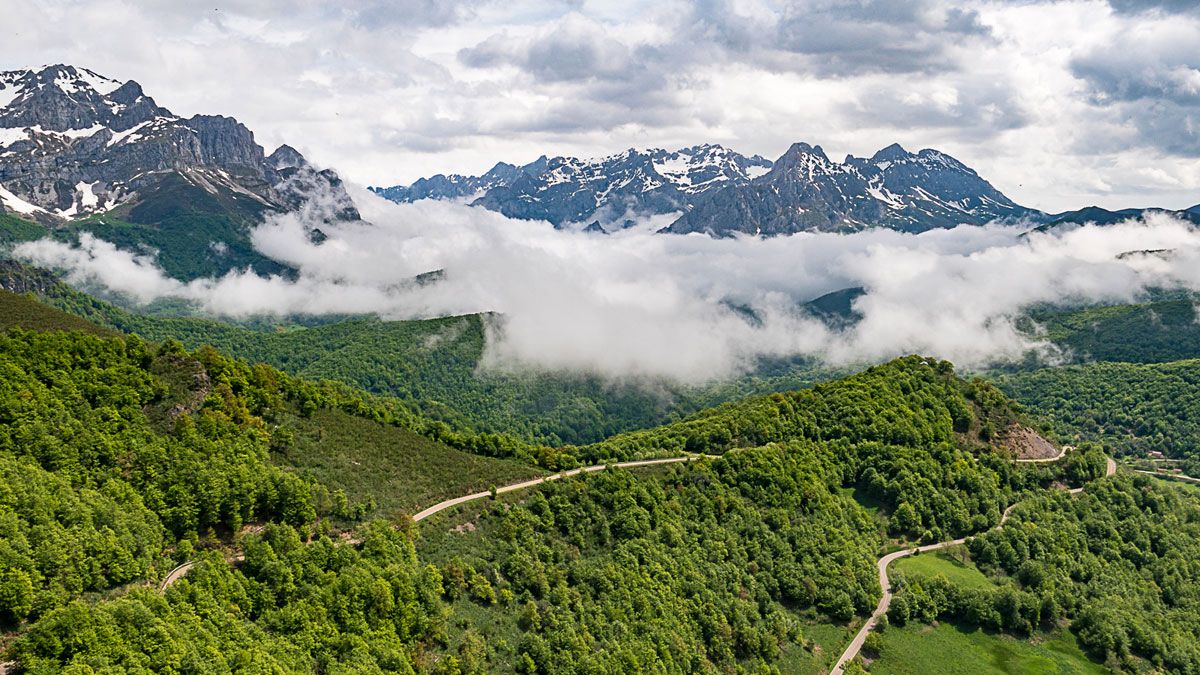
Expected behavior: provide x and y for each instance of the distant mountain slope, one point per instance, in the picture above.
(1100, 216)
(566, 190)
(80, 151)
(1164, 330)
(26, 313)
(454, 186)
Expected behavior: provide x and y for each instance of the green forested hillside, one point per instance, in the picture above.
(433, 364)
(1150, 332)
(118, 458)
(907, 401)
(732, 563)
(155, 453)
(1118, 564)
(113, 454)
(1131, 408)
(714, 567)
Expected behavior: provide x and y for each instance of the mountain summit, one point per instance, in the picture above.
(570, 191)
(807, 191)
(720, 192)
(75, 144)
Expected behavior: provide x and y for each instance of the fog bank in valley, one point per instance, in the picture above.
(637, 303)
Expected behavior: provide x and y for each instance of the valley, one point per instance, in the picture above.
(486, 536)
(613, 369)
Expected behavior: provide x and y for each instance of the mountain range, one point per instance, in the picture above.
(80, 151)
(720, 192)
(607, 191)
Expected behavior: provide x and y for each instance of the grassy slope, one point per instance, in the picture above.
(401, 471)
(825, 644)
(14, 229)
(19, 311)
(194, 233)
(191, 232)
(946, 563)
(955, 650)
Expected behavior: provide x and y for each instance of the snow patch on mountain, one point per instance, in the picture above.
(15, 203)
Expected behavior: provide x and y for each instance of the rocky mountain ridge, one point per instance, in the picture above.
(604, 192)
(806, 191)
(79, 150)
(75, 143)
(720, 192)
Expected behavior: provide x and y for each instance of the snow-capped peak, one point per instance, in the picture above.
(70, 80)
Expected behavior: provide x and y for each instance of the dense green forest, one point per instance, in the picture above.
(114, 454)
(1150, 332)
(117, 456)
(127, 456)
(730, 563)
(713, 567)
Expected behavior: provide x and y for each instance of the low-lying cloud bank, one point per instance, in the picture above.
(635, 303)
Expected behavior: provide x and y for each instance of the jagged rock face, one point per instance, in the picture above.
(572, 191)
(806, 191)
(286, 157)
(18, 278)
(74, 143)
(62, 98)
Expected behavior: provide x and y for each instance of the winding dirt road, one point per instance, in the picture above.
(442, 506)
(1169, 476)
(181, 570)
(860, 638)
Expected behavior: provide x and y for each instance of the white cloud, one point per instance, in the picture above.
(380, 92)
(636, 303)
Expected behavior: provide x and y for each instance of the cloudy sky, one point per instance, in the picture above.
(1059, 104)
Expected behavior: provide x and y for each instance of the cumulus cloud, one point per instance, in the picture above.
(845, 37)
(1151, 6)
(1150, 74)
(643, 304)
